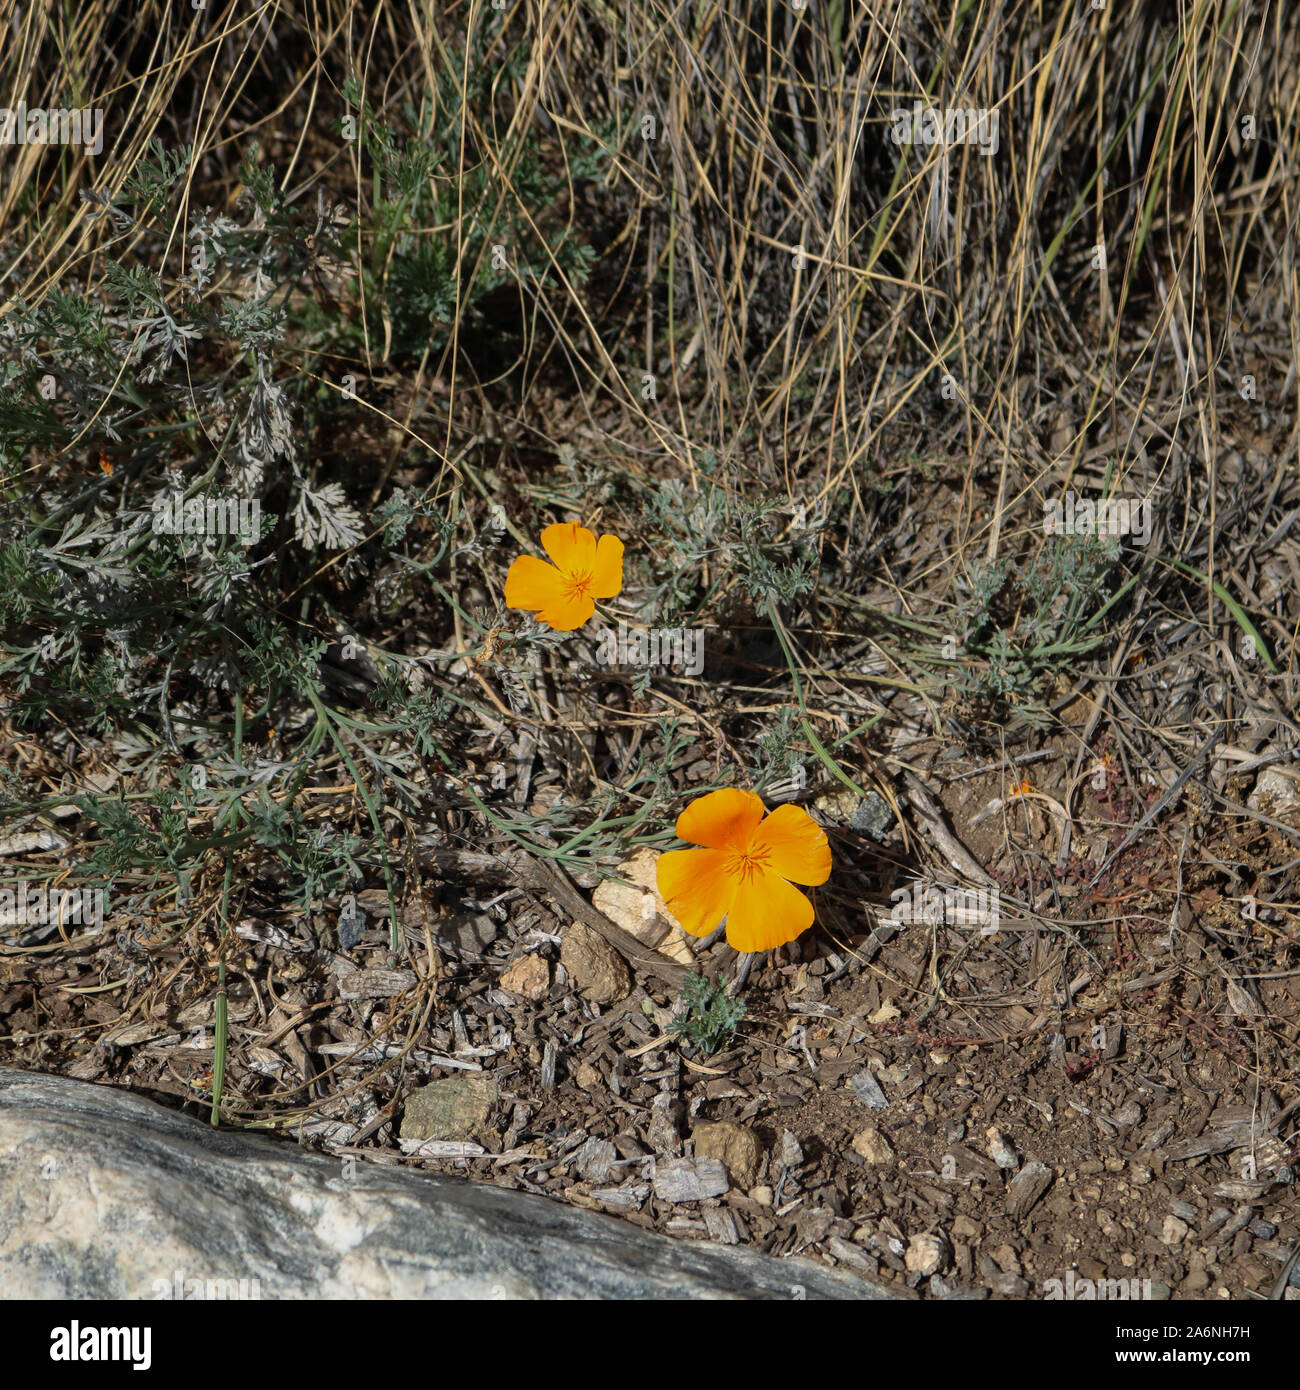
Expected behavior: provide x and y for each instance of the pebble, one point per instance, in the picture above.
(1197, 1280)
(452, 1107)
(529, 977)
(735, 1146)
(587, 1076)
(925, 1255)
(1273, 789)
(870, 1144)
(597, 970)
(1007, 1285)
(999, 1150)
(1173, 1230)
(1006, 1258)
(471, 934)
(632, 901)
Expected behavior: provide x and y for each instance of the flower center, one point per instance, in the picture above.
(749, 864)
(578, 583)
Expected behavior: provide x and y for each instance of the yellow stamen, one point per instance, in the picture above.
(578, 583)
(747, 865)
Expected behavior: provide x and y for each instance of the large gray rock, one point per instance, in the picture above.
(106, 1195)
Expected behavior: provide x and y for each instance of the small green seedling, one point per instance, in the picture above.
(708, 1018)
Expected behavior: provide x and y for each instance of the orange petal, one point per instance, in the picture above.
(607, 577)
(571, 546)
(696, 887)
(568, 612)
(533, 584)
(724, 819)
(766, 913)
(798, 847)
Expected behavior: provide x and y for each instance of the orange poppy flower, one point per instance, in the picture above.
(745, 871)
(564, 594)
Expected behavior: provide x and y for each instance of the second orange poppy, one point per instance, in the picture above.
(563, 594)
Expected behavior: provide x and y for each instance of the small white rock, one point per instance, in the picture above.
(1273, 788)
(925, 1255)
(1173, 1231)
(529, 977)
(870, 1144)
(1000, 1151)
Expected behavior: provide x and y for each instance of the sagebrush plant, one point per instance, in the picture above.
(781, 758)
(1028, 622)
(708, 1017)
(177, 374)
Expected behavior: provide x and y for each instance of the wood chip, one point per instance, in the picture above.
(27, 841)
(1241, 1191)
(1234, 1127)
(376, 984)
(595, 1160)
(630, 1194)
(690, 1179)
(867, 1089)
(550, 1054)
(1027, 1188)
(441, 1148)
(721, 1225)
